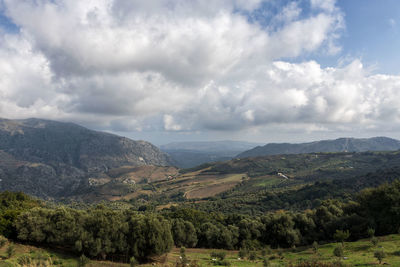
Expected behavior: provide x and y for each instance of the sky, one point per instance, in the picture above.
(195, 70)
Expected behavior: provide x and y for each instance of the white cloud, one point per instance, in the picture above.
(170, 125)
(289, 13)
(327, 5)
(184, 66)
(288, 93)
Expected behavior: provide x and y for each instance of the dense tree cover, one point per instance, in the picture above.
(381, 206)
(11, 205)
(184, 233)
(98, 233)
(246, 201)
(121, 234)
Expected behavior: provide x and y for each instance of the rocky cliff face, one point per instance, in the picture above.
(53, 159)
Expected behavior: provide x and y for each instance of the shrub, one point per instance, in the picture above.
(264, 252)
(10, 251)
(253, 256)
(338, 251)
(379, 254)
(223, 263)
(3, 241)
(243, 253)
(396, 253)
(184, 259)
(24, 260)
(371, 232)
(218, 255)
(83, 260)
(374, 241)
(273, 257)
(315, 246)
(341, 236)
(133, 262)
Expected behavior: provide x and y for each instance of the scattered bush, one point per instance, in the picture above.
(315, 246)
(243, 253)
(10, 251)
(252, 256)
(183, 259)
(396, 253)
(273, 257)
(24, 260)
(3, 241)
(338, 251)
(83, 260)
(379, 255)
(223, 263)
(374, 241)
(264, 252)
(371, 232)
(220, 255)
(133, 262)
(341, 236)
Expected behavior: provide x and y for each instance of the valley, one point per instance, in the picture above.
(105, 199)
(259, 184)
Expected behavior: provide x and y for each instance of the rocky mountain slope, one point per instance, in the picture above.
(53, 159)
(338, 145)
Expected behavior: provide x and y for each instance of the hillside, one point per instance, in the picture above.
(51, 159)
(190, 154)
(256, 185)
(148, 236)
(338, 145)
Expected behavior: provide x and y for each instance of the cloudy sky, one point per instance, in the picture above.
(171, 70)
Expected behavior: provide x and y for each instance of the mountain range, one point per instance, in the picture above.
(337, 145)
(52, 159)
(59, 160)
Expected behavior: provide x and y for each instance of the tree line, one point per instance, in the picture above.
(101, 232)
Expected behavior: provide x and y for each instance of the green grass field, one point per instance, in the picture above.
(360, 253)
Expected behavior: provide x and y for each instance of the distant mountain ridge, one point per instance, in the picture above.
(210, 146)
(190, 154)
(337, 145)
(50, 158)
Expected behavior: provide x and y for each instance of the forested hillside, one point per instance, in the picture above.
(103, 233)
(257, 185)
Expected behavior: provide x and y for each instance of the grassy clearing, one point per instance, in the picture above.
(25, 255)
(268, 181)
(360, 253)
(215, 186)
